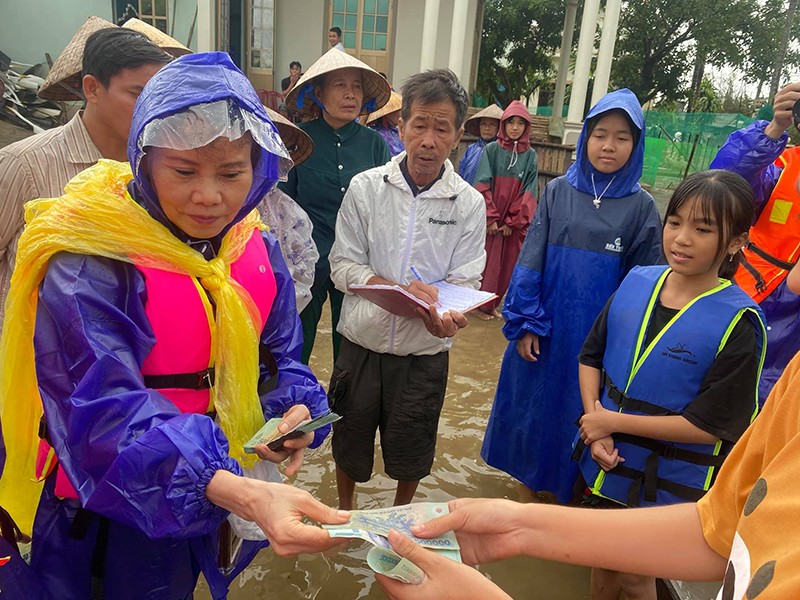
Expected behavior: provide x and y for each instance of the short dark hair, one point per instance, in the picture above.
(435, 85)
(294, 63)
(108, 51)
(723, 197)
(336, 30)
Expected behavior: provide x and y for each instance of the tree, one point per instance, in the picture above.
(519, 38)
(780, 51)
(659, 38)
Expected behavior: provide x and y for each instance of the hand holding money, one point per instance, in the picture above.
(281, 438)
(443, 579)
(374, 526)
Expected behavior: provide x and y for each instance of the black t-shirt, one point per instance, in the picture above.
(726, 400)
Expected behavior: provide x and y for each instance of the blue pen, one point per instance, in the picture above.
(419, 278)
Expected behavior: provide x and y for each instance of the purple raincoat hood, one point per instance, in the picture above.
(188, 81)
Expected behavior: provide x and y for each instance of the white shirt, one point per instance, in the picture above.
(382, 229)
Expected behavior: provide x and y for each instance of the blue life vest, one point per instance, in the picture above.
(663, 379)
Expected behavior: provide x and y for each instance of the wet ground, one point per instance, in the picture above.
(458, 471)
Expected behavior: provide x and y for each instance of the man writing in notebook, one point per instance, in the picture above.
(414, 211)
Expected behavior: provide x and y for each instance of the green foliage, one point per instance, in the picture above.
(658, 41)
(519, 39)
(762, 35)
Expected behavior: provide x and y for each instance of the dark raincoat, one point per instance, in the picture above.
(752, 154)
(573, 259)
(145, 517)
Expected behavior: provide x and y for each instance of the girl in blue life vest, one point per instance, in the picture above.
(151, 329)
(669, 372)
(590, 228)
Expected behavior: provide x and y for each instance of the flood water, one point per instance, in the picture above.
(458, 471)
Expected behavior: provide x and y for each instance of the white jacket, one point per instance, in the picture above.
(382, 229)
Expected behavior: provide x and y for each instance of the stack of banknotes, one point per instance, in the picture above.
(373, 526)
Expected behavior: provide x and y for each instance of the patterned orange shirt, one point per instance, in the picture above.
(752, 513)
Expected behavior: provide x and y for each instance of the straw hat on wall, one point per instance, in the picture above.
(394, 104)
(297, 142)
(473, 124)
(64, 80)
(374, 85)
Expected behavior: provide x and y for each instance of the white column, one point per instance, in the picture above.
(457, 33)
(429, 26)
(605, 55)
(583, 61)
(206, 25)
(563, 59)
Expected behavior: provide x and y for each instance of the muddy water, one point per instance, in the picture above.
(458, 471)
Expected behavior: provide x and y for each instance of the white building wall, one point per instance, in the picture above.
(29, 28)
(407, 49)
(301, 28)
(300, 34)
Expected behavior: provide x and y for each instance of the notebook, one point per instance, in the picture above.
(398, 301)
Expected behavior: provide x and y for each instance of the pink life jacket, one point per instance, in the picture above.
(181, 316)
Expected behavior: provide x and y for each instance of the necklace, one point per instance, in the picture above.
(597, 198)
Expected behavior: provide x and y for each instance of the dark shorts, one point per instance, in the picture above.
(400, 396)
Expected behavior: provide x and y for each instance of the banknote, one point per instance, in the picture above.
(274, 439)
(380, 520)
(389, 563)
(380, 541)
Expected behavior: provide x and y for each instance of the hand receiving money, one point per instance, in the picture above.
(374, 526)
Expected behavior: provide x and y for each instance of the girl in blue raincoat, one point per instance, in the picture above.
(591, 227)
(163, 333)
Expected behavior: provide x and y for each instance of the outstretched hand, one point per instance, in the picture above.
(487, 530)
(445, 579)
(278, 509)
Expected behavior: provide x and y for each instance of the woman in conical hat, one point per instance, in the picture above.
(385, 121)
(287, 221)
(151, 331)
(483, 125)
(333, 93)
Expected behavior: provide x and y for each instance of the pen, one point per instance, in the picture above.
(419, 278)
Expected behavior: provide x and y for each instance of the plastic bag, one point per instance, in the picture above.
(249, 530)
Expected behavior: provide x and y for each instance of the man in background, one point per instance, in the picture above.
(117, 63)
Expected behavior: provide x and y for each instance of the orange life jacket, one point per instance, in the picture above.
(182, 318)
(774, 242)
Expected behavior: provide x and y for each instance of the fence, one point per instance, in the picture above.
(553, 159)
(677, 144)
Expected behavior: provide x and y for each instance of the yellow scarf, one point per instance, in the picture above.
(96, 216)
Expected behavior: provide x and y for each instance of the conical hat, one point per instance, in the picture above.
(297, 142)
(64, 80)
(168, 44)
(374, 85)
(395, 103)
(473, 124)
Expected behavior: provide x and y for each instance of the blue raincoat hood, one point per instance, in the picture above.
(626, 179)
(188, 81)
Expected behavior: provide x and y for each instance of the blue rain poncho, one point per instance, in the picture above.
(140, 466)
(573, 259)
(751, 153)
